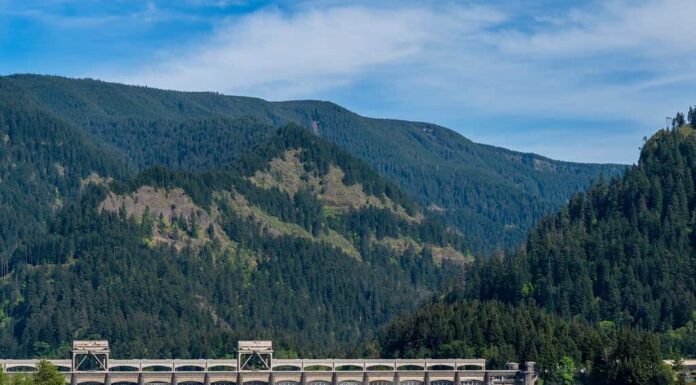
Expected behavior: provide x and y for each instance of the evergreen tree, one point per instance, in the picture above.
(22, 379)
(563, 373)
(634, 360)
(681, 370)
(47, 374)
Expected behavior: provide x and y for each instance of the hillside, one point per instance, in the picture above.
(623, 252)
(44, 163)
(566, 351)
(490, 194)
(612, 274)
(297, 241)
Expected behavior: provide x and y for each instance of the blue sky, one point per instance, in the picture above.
(572, 80)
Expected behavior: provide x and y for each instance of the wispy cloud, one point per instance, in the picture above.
(284, 55)
(95, 15)
(630, 61)
(294, 54)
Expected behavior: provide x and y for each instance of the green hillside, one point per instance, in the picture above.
(609, 282)
(297, 242)
(624, 251)
(565, 350)
(492, 195)
(44, 163)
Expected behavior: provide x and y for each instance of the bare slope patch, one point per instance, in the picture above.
(439, 253)
(288, 173)
(177, 220)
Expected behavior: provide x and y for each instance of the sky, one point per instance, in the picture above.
(573, 80)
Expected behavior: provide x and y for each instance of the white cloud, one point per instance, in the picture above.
(277, 55)
(612, 60)
(640, 28)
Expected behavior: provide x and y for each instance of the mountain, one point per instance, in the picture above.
(176, 223)
(624, 251)
(297, 241)
(491, 194)
(610, 278)
(44, 162)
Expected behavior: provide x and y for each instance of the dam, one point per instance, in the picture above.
(91, 364)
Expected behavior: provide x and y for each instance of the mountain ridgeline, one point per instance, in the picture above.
(490, 194)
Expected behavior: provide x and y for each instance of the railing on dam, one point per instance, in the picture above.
(91, 364)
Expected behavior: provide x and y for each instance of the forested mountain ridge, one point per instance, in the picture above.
(606, 285)
(624, 251)
(492, 195)
(297, 241)
(44, 162)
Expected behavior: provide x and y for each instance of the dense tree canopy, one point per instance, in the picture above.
(622, 252)
(608, 284)
(599, 291)
(101, 274)
(490, 194)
